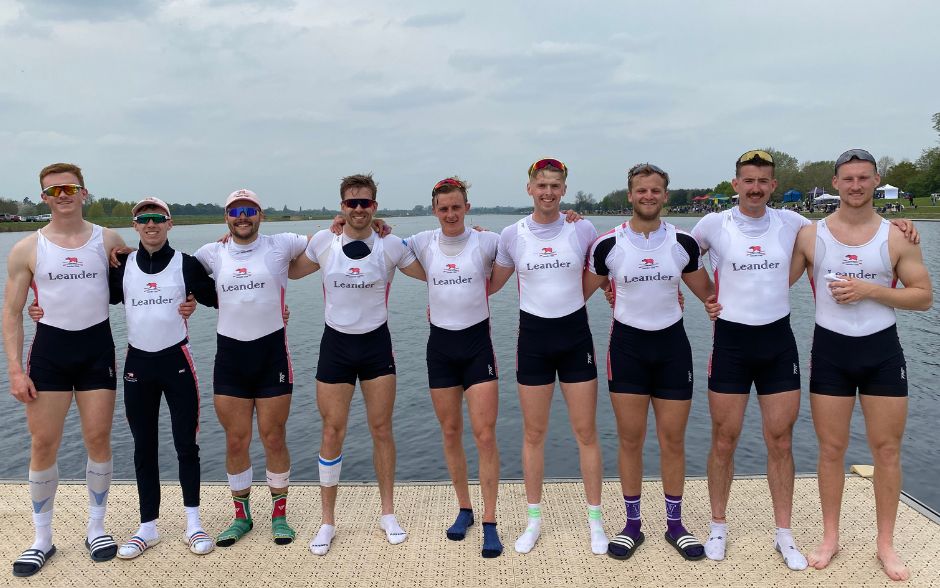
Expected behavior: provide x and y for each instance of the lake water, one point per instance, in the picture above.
(416, 430)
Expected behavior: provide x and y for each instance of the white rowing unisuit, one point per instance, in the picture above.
(251, 281)
(355, 291)
(646, 273)
(151, 304)
(751, 261)
(549, 261)
(71, 285)
(458, 271)
(870, 262)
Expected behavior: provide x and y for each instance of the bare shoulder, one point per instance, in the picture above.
(898, 242)
(23, 251)
(111, 238)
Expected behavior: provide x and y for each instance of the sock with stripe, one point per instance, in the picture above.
(632, 505)
(533, 529)
(598, 536)
(42, 488)
(283, 533)
(674, 525)
(98, 479)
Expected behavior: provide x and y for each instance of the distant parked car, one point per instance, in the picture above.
(7, 218)
(43, 218)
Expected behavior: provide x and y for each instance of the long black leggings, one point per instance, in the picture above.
(146, 378)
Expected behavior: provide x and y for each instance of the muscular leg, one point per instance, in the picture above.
(885, 418)
(581, 398)
(333, 403)
(483, 406)
(235, 417)
(727, 412)
(671, 419)
(96, 411)
(272, 429)
(631, 411)
(448, 406)
(379, 396)
(778, 413)
(535, 402)
(832, 416)
(45, 417)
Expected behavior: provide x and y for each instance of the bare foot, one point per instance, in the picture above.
(822, 555)
(892, 564)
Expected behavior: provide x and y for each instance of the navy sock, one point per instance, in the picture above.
(492, 546)
(674, 525)
(458, 530)
(634, 523)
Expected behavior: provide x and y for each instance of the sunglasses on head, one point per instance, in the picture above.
(358, 202)
(67, 189)
(237, 211)
(859, 154)
(156, 217)
(548, 162)
(756, 155)
(447, 182)
(644, 168)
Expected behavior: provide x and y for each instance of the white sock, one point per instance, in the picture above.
(717, 538)
(148, 531)
(787, 547)
(98, 479)
(393, 530)
(193, 520)
(43, 524)
(526, 541)
(598, 536)
(321, 543)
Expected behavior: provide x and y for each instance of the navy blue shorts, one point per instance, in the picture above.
(873, 364)
(345, 356)
(763, 355)
(555, 345)
(253, 369)
(654, 363)
(461, 358)
(63, 361)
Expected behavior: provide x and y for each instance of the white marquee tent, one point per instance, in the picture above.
(887, 191)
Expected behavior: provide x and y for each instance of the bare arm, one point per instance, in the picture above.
(802, 248)
(917, 293)
(591, 282)
(500, 276)
(113, 240)
(415, 270)
(19, 277)
(700, 284)
(301, 266)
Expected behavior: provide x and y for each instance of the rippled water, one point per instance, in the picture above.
(416, 430)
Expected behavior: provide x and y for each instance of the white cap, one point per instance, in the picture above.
(151, 201)
(243, 194)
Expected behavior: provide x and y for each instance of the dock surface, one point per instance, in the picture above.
(361, 556)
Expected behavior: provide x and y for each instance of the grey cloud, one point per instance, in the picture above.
(403, 99)
(92, 10)
(433, 19)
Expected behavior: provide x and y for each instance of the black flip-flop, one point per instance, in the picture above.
(626, 542)
(684, 543)
(102, 548)
(31, 561)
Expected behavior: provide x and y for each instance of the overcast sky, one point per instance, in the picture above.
(189, 100)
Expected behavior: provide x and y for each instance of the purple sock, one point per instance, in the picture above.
(632, 503)
(674, 517)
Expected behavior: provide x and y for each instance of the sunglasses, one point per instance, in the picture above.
(237, 211)
(67, 189)
(543, 163)
(859, 154)
(447, 182)
(756, 155)
(156, 217)
(358, 203)
(645, 168)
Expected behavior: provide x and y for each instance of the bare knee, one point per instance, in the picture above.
(725, 441)
(534, 435)
(381, 431)
(632, 444)
(274, 439)
(485, 438)
(451, 431)
(833, 450)
(98, 442)
(237, 443)
(779, 444)
(886, 453)
(672, 444)
(45, 447)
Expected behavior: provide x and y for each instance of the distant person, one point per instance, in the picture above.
(72, 355)
(549, 256)
(854, 257)
(357, 268)
(253, 373)
(649, 359)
